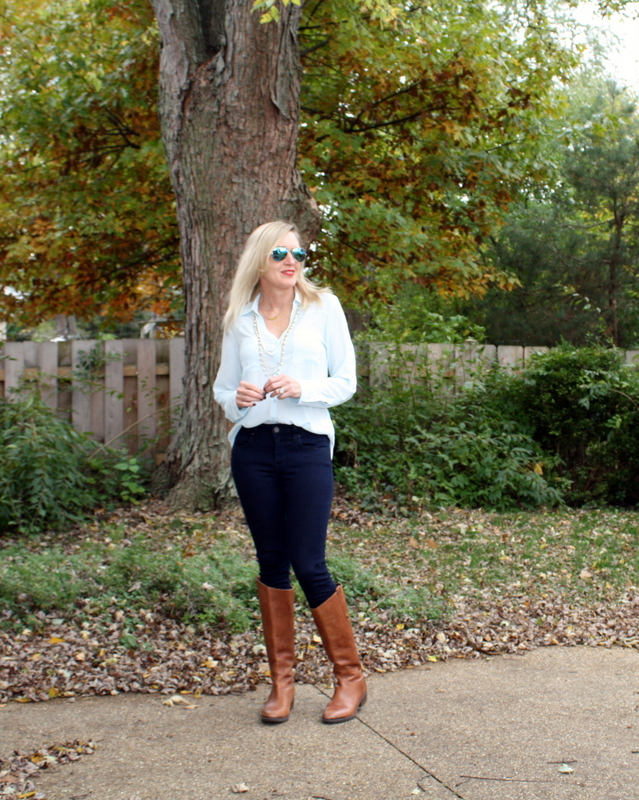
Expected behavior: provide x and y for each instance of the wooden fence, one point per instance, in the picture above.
(128, 391)
(123, 392)
(457, 363)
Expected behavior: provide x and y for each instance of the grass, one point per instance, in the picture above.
(585, 554)
(200, 569)
(92, 574)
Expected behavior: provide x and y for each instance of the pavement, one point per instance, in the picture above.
(493, 729)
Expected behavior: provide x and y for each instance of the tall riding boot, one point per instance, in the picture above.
(279, 634)
(335, 629)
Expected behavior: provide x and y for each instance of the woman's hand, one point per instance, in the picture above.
(282, 386)
(248, 395)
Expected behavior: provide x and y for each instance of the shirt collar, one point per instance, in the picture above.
(251, 308)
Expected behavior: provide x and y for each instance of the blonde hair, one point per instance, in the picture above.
(253, 264)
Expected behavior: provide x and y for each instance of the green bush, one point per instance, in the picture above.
(565, 429)
(50, 474)
(582, 404)
(426, 444)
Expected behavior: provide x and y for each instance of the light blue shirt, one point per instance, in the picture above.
(318, 354)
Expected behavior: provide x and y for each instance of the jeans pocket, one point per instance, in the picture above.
(308, 439)
(244, 437)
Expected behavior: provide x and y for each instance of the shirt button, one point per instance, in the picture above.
(276, 429)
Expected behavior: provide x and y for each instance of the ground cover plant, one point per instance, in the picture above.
(154, 601)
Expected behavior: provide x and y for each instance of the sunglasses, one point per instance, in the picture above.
(280, 253)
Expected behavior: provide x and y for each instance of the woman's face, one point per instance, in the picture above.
(282, 275)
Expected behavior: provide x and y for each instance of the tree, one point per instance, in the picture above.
(87, 225)
(603, 169)
(229, 106)
(417, 132)
(574, 243)
(415, 129)
(418, 125)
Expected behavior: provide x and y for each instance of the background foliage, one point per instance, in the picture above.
(573, 241)
(51, 475)
(419, 129)
(86, 209)
(564, 430)
(419, 124)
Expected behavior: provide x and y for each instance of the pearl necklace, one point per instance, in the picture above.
(271, 371)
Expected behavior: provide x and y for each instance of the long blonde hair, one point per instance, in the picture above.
(253, 264)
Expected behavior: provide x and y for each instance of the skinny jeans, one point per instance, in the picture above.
(284, 478)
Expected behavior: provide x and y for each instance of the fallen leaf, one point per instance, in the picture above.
(177, 700)
(432, 544)
(238, 788)
(565, 769)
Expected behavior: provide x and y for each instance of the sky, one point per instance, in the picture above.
(623, 55)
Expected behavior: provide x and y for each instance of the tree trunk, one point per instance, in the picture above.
(229, 107)
(613, 274)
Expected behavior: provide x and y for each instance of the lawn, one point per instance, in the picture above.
(146, 599)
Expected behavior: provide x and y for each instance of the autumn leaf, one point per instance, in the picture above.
(177, 700)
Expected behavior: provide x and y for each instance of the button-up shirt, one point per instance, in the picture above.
(318, 354)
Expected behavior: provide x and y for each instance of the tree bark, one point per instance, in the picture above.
(229, 108)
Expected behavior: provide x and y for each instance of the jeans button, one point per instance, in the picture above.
(276, 429)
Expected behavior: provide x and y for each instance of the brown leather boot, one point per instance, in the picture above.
(279, 634)
(335, 629)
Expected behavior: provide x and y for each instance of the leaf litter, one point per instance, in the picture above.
(17, 773)
(502, 590)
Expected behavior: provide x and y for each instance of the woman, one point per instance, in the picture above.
(286, 358)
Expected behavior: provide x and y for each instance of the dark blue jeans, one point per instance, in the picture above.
(284, 478)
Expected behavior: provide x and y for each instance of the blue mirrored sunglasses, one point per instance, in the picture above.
(280, 253)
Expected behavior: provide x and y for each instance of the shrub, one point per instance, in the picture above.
(582, 404)
(425, 444)
(564, 429)
(50, 474)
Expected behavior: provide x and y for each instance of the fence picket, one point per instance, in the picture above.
(81, 399)
(113, 391)
(13, 363)
(147, 427)
(47, 361)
